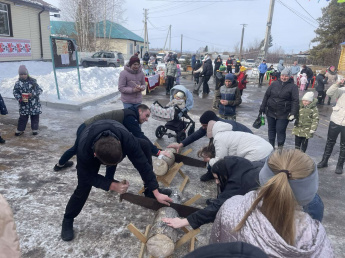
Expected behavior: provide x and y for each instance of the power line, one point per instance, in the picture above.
(306, 11)
(165, 27)
(182, 12)
(296, 13)
(179, 5)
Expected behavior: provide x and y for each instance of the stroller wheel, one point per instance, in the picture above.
(191, 130)
(180, 136)
(160, 131)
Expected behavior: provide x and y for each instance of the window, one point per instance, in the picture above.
(97, 55)
(119, 55)
(5, 25)
(131, 48)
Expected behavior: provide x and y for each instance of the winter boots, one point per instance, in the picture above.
(2, 140)
(340, 164)
(328, 151)
(68, 164)
(207, 177)
(67, 233)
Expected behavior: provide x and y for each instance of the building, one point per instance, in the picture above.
(115, 37)
(341, 65)
(25, 30)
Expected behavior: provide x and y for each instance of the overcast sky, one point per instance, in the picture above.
(217, 23)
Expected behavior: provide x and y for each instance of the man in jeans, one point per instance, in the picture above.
(262, 69)
(294, 71)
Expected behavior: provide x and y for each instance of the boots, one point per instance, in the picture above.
(340, 164)
(329, 101)
(207, 177)
(341, 160)
(328, 151)
(2, 140)
(272, 142)
(68, 164)
(67, 233)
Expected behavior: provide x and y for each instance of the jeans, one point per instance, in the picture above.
(261, 77)
(277, 128)
(81, 193)
(128, 105)
(23, 120)
(205, 87)
(73, 150)
(315, 208)
(307, 85)
(170, 83)
(301, 143)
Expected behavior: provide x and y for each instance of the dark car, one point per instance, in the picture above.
(104, 59)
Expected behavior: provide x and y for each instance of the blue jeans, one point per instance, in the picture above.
(315, 208)
(128, 105)
(277, 127)
(73, 150)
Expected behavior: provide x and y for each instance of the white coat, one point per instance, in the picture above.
(241, 144)
(338, 114)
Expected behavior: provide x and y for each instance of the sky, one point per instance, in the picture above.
(217, 23)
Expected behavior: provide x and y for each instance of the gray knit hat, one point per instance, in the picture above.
(22, 70)
(286, 71)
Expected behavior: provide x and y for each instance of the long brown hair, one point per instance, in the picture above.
(208, 151)
(278, 200)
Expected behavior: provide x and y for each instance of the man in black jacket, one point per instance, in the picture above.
(309, 73)
(107, 142)
(206, 117)
(281, 105)
(131, 118)
(207, 72)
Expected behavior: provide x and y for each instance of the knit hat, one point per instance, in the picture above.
(209, 128)
(243, 68)
(286, 71)
(222, 68)
(304, 189)
(230, 77)
(180, 94)
(207, 116)
(238, 61)
(22, 70)
(134, 59)
(308, 96)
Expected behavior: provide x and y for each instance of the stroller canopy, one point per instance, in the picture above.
(187, 93)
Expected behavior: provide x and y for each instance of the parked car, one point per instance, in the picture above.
(103, 58)
(182, 59)
(160, 56)
(250, 63)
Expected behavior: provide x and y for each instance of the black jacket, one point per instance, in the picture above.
(217, 64)
(131, 122)
(236, 126)
(281, 100)
(243, 177)
(207, 69)
(320, 82)
(88, 165)
(307, 71)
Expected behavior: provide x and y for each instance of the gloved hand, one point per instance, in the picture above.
(311, 131)
(291, 117)
(180, 115)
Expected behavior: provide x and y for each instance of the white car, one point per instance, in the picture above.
(250, 62)
(182, 59)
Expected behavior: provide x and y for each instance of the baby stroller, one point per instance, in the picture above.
(177, 119)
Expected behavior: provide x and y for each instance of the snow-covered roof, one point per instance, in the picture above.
(115, 30)
(37, 4)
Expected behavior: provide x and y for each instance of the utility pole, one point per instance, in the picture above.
(244, 25)
(170, 39)
(181, 42)
(145, 31)
(268, 28)
(167, 38)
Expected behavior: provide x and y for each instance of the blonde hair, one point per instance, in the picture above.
(278, 200)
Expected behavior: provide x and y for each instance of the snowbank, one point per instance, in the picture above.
(95, 81)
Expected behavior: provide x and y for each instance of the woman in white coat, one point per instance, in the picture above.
(231, 143)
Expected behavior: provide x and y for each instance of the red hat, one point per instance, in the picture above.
(134, 59)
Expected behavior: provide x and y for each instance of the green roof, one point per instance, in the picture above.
(115, 30)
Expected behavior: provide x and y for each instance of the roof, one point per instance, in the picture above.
(37, 4)
(115, 30)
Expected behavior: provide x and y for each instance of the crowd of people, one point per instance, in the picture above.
(267, 195)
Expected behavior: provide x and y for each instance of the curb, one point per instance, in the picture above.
(80, 106)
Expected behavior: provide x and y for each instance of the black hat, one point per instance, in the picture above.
(207, 116)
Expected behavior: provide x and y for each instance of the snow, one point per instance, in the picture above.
(96, 82)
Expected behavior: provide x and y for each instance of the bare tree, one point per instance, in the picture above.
(91, 17)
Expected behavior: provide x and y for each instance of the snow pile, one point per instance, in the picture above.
(95, 81)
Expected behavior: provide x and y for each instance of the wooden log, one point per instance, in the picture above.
(170, 161)
(162, 238)
(160, 167)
